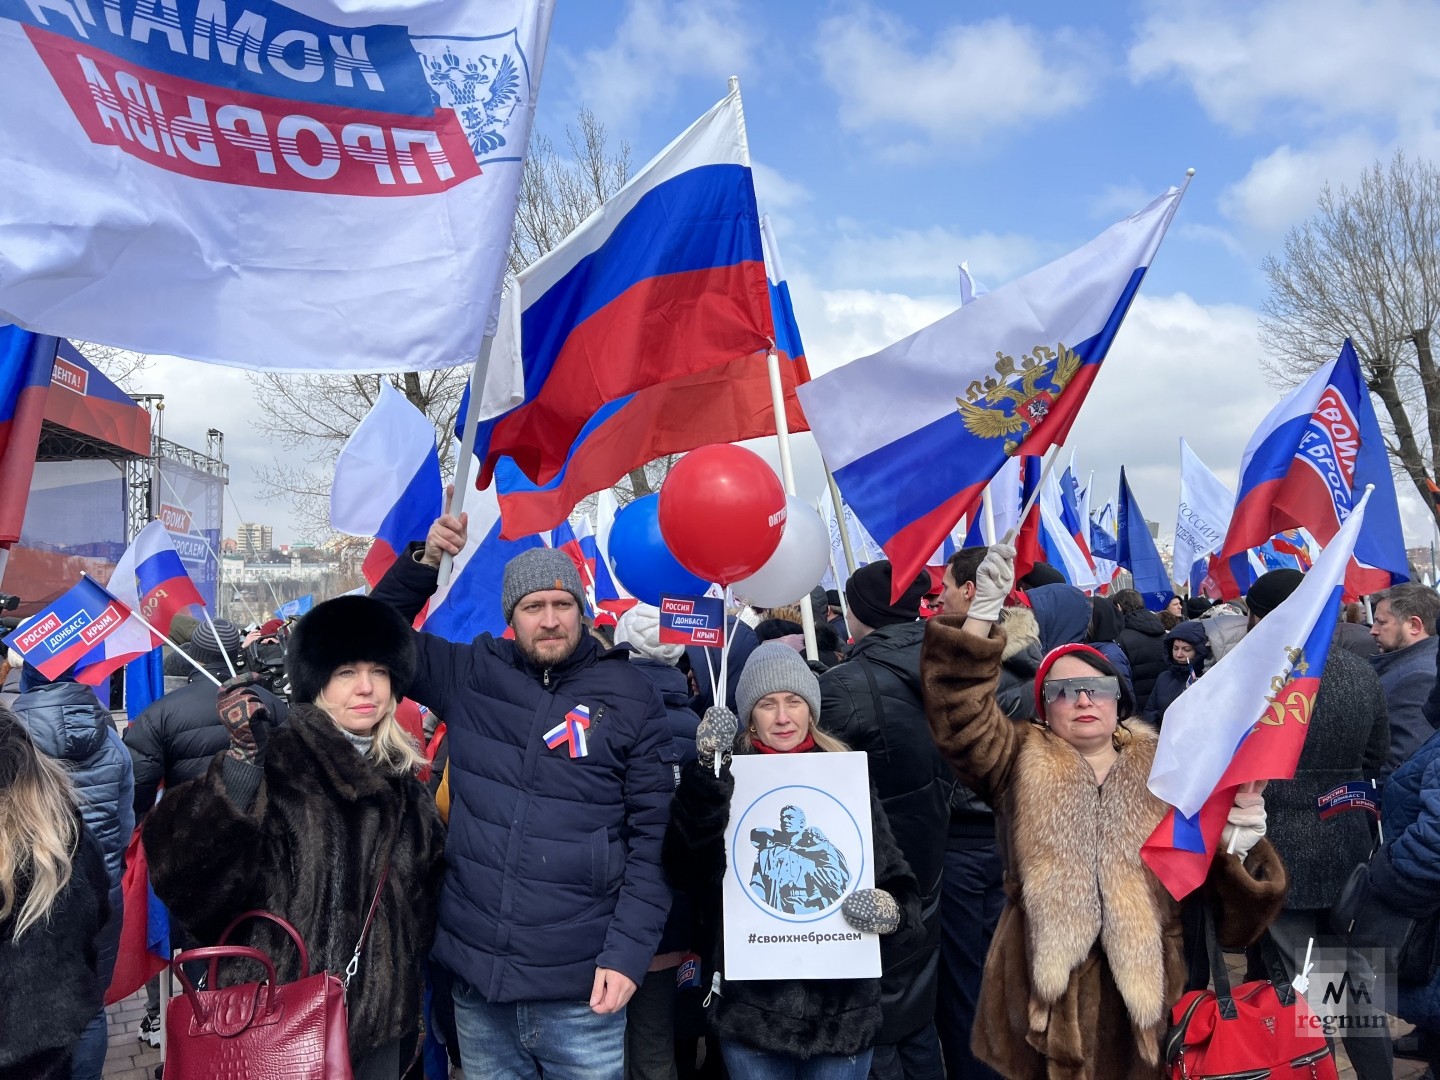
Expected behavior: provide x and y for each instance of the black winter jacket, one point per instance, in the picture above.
(1405, 873)
(1347, 739)
(1177, 674)
(675, 690)
(69, 724)
(800, 1018)
(1143, 640)
(304, 837)
(176, 738)
(49, 986)
(553, 862)
(873, 703)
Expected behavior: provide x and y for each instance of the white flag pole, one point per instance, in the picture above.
(211, 623)
(467, 448)
(146, 623)
(1034, 496)
(777, 391)
(839, 505)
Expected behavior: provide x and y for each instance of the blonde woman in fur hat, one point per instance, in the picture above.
(304, 820)
(1076, 987)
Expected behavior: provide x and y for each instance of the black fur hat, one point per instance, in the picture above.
(343, 631)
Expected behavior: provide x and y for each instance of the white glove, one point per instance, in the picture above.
(1246, 825)
(994, 578)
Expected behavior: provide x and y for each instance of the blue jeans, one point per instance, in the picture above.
(87, 1060)
(525, 1040)
(751, 1064)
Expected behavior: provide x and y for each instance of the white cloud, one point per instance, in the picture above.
(1311, 61)
(776, 191)
(656, 44)
(963, 86)
(1117, 201)
(203, 396)
(1280, 189)
(930, 257)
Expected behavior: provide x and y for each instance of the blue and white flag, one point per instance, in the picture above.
(293, 609)
(314, 185)
(1203, 517)
(387, 480)
(470, 603)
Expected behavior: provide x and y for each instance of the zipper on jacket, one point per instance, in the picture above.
(546, 678)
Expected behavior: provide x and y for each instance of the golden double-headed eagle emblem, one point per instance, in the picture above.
(1043, 375)
(1289, 704)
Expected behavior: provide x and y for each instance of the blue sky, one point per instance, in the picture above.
(892, 141)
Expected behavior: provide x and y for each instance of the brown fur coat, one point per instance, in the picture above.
(1089, 955)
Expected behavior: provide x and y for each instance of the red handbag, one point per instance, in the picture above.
(266, 1030)
(1255, 1030)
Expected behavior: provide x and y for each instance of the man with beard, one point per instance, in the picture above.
(561, 773)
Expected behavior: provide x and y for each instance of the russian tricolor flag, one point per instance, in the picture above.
(151, 579)
(1306, 466)
(906, 458)
(387, 480)
(665, 280)
(1234, 727)
(26, 361)
(728, 403)
(1062, 541)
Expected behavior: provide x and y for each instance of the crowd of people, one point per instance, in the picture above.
(537, 825)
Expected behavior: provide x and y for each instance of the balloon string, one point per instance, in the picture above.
(725, 653)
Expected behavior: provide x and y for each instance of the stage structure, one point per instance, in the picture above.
(103, 471)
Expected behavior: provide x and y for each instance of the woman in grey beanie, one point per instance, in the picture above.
(798, 1028)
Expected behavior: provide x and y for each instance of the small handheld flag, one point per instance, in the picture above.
(70, 632)
(692, 620)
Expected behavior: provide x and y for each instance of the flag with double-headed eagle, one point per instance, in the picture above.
(319, 186)
(914, 432)
(1245, 720)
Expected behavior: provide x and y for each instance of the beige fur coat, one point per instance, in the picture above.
(1088, 957)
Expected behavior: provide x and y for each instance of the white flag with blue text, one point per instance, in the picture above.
(320, 185)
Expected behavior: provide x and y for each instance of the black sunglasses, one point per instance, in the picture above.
(1098, 688)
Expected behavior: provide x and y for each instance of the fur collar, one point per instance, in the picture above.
(311, 743)
(1021, 631)
(1077, 853)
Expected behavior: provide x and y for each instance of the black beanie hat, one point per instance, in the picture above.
(1271, 590)
(1042, 573)
(343, 631)
(868, 593)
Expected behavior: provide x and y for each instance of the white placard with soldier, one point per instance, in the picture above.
(799, 843)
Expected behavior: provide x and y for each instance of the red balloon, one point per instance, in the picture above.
(722, 510)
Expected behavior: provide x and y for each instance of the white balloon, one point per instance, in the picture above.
(798, 563)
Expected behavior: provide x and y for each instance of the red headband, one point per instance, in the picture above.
(1073, 649)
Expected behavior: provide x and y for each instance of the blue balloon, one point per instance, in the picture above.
(640, 559)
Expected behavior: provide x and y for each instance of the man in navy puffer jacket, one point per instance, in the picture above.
(69, 724)
(1405, 873)
(561, 773)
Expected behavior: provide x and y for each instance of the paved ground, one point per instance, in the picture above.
(129, 1059)
(132, 1060)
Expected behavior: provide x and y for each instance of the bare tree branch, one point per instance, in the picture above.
(1367, 267)
(309, 417)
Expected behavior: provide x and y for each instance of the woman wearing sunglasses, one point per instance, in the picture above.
(1089, 955)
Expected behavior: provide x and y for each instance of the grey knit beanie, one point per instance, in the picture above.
(771, 668)
(535, 571)
(207, 647)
